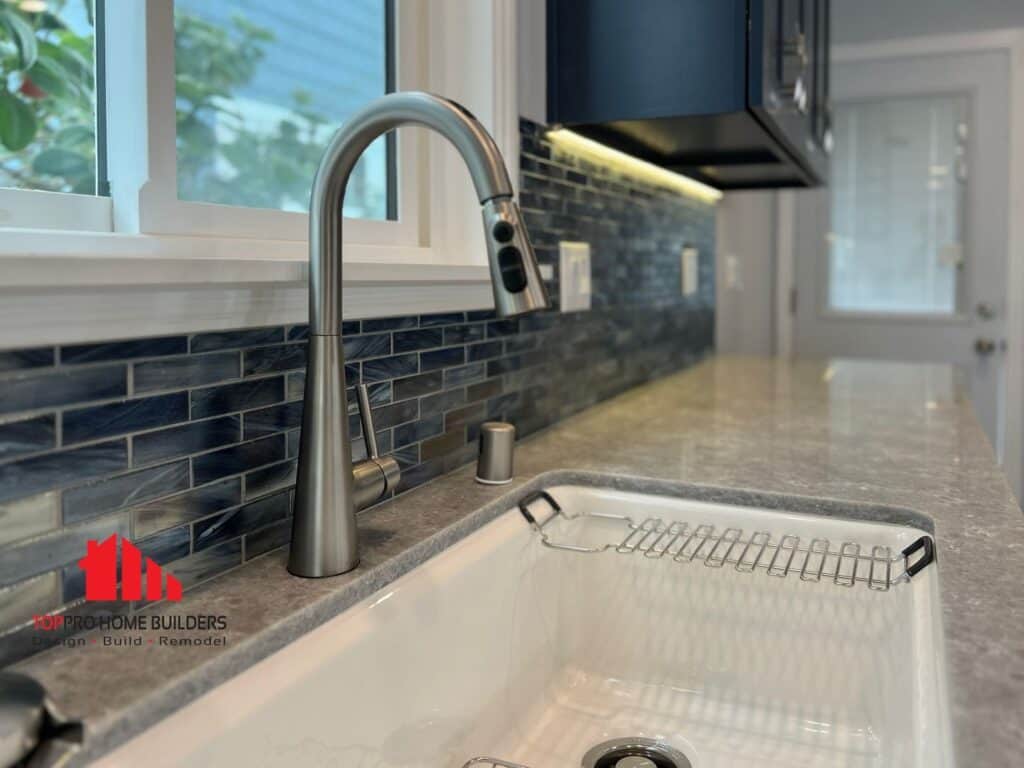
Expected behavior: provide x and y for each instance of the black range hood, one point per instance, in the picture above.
(733, 93)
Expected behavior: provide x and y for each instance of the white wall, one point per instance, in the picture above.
(745, 273)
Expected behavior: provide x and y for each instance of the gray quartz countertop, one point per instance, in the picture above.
(868, 435)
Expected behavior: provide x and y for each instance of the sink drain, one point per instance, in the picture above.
(634, 752)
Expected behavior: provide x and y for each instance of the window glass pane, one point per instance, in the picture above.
(47, 90)
(897, 186)
(262, 85)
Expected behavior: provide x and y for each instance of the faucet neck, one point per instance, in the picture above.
(327, 489)
(454, 122)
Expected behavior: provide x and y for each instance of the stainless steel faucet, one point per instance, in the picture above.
(329, 489)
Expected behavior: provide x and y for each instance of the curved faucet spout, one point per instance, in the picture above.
(328, 489)
(454, 122)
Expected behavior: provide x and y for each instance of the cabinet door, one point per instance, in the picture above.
(793, 51)
(812, 41)
(822, 109)
(791, 42)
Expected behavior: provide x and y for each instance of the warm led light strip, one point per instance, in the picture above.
(627, 164)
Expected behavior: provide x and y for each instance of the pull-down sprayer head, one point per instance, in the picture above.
(518, 287)
(515, 276)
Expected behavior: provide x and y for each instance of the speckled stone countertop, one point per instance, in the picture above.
(867, 436)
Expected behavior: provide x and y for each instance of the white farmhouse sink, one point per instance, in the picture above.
(501, 646)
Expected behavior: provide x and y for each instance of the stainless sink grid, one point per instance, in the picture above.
(491, 762)
(816, 560)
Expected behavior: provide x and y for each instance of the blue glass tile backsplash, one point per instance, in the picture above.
(187, 444)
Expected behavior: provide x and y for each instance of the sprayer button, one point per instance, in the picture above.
(513, 275)
(503, 231)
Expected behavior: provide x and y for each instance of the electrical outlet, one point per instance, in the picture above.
(690, 270)
(574, 276)
(733, 273)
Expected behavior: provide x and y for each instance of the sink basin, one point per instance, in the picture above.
(505, 647)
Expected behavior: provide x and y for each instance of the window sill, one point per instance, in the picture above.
(74, 287)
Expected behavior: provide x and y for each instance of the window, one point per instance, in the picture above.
(897, 187)
(201, 123)
(208, 120)
(47, 98)
(260, 86)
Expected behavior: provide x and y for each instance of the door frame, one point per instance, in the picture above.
(1010, 41)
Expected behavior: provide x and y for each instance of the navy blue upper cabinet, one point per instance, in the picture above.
(732, 92)
(615, 60)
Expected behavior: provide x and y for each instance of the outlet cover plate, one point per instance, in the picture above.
(690, 270)
(574, 276)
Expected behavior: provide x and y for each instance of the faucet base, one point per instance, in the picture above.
(324, 541)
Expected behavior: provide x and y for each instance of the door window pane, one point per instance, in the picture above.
(897, 186)
(261, 87)
(47, 92)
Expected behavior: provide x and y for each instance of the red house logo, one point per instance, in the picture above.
(100, 566)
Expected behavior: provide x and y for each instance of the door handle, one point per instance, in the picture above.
(985, 347)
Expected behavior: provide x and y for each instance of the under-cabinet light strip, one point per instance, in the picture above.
(620, 161)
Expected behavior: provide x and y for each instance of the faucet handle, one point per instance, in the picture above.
(366, 417)
(376, 475)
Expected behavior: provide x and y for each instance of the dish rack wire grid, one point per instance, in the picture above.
(815, 560)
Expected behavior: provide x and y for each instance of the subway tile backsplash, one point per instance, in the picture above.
(187, 444)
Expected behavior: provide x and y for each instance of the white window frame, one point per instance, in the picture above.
(39, 209)
(144, 182)
(199, 266)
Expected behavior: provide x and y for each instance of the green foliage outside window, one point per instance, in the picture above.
(266, 168)
(47, 123)
(47, 133)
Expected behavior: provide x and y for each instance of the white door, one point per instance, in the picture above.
(904, 255)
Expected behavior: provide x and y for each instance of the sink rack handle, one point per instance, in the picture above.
(530, 498)
(928, 545)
